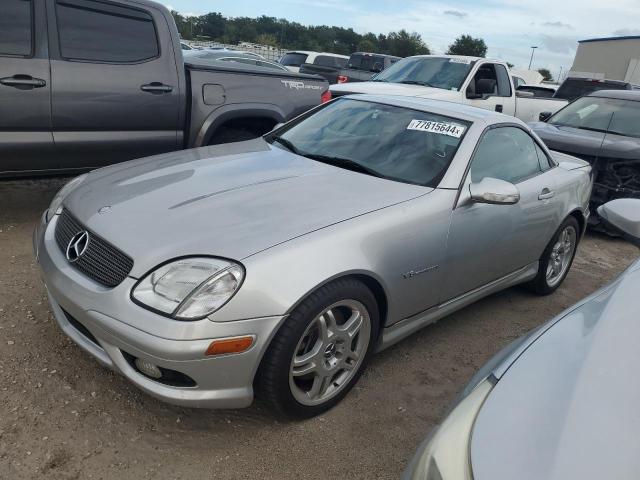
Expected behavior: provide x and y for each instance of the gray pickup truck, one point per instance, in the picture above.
(86, 83)
(361, 67)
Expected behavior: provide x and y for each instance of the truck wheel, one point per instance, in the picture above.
(557, 258)
(320, 351)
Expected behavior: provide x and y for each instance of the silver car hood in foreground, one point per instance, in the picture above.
(230, 201)
(568, 407)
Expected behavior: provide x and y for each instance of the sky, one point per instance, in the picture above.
(509, 28)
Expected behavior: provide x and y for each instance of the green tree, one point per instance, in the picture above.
(546, 74)
(469, 46)
(405, 44)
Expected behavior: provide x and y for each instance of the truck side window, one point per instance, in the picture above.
(505, 153)
(504, 85)
(16, 35)
(101, 32)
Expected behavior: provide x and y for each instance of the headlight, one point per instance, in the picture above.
(56, 203)
(190, 288)
(446, 454)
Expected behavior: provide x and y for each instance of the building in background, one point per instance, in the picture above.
(613, 58)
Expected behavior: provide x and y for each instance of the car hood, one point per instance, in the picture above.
(568, 406)
(584, 143)
(229, 200)
(388, 88)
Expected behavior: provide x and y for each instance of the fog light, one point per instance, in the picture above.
(148, 368)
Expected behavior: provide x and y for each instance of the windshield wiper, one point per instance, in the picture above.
(344, 163)
(379, 80)
(290, 146)
(416, 82)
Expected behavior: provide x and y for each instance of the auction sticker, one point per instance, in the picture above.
(466, 61)
(441, 128)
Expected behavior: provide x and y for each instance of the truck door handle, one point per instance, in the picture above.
(499, 108)
(156, 88)
(546, 194)
(23, 82)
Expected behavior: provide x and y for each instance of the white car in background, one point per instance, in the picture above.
(479, 82)
(293, 59)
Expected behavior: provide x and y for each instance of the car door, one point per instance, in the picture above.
(116, 92)
(25, 87)
(487, 242)
(490, 88)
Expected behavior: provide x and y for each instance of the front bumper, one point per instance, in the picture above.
(108, 325)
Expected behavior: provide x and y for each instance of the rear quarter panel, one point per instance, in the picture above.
(217, 95)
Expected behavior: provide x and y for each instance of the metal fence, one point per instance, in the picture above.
(268, 52)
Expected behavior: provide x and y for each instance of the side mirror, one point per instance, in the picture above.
(623, 215)
(494, 191)
(473, 96)
(524, 94)
(544, 116)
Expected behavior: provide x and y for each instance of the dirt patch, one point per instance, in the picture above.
(62, 416)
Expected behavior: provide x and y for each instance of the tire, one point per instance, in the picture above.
(548, 280)
(334, 360)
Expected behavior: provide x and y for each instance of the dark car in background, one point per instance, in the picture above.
(575, 87)
(604, 129)
(361, 67)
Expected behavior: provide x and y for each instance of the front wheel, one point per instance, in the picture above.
(320, 351)
(557, 258)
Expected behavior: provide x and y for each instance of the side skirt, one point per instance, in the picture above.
(406, 327)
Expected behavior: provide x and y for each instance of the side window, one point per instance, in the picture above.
(101, 32)
(504, 84)
(16, 34)
(484, 83)
(505, 153)
(545, 162)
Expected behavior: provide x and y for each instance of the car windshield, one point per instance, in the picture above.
(293, 59)
(368, 63)
(439, 72)
(396, 143)
(601, 114)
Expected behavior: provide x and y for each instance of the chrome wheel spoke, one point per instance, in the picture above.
(352, 326)
(319, 386)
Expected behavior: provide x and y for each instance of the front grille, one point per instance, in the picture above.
(101, 261)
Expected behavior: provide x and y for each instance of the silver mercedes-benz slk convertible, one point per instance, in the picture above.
(282, 263)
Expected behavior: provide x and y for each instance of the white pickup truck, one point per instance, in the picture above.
(473, 81)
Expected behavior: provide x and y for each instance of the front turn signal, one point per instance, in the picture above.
(226, 346)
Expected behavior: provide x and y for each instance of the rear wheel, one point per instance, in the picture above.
(320, 351)
(557, 258)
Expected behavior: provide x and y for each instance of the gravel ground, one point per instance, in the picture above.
(62, 416)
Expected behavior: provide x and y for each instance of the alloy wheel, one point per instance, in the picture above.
(330, 352)
(561, 255)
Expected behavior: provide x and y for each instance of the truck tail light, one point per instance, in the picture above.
(325, 97)
(343, 79)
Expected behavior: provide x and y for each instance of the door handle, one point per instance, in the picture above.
(23, 82)
(156, 88)
(499, 108)
(546, 194)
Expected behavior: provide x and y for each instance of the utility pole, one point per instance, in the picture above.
(533, 49)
